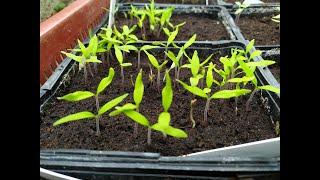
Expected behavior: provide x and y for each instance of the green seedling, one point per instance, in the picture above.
(141, 15)
(127, 36)
(165, 19)
(144, 48)
(177, 60)
(158, 66)
(86, 55)
(81, 95)
(163, 123)
(249, 69)
(107, 42)
(171, 36)
(119, 50)
(240, 9)
(137, 96)
(154, 16)
(205, 93)
(197, 68)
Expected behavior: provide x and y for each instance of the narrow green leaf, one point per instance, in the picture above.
(255, 54)
(112, 103)
(205, 61)
(209, 77)
(74, 57)
(130, 48)
(105, 81)
(93, 59)
(172, 36)
(148, 47)
(190, 41)
(172, 57)
(152, 59)
(76, 96)
(195, 64)
(226, 94)
(261, 63)
(239, 80)
(83, 49)
(120, 109)
(270, 88)
(138, 89)
(74, 117)
(137, 117)
(93, 45)
(175, 132)
(167, 93)
(194, 90)
(126, 64)
(250, 46)
(118, 54)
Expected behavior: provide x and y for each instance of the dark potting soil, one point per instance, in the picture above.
(260, 28)
(204, 26)
(265, 1)
(224, 128)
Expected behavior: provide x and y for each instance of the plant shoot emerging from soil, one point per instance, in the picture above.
(81, 95)
(163, 124)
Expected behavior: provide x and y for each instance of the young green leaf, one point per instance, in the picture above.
(167, 93)
(118, 54)
(261, 63)
(255, 54)
(270, 88)
(190, 41)
(175, 132)
(195, 64)
(239, 80)
(93, 59)
(172, 36)
(74, 117)
(205, 61)
(163, 125)
(137, 117)
(126, 64)
(209, 77)
(249, 46)
(226, 94)
(193, 89)
(74, 57)
(148, 47)
(93, 45)
(76, 96)
(84, 50)
(173, 58)
(105, 81)
(195, 80)
(138, 89)
(111, 104)
(152, 59)
(120, 109)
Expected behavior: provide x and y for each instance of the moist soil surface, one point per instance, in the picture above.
(224, 127)
(204, 26)
(260, 28)
(265, 1)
